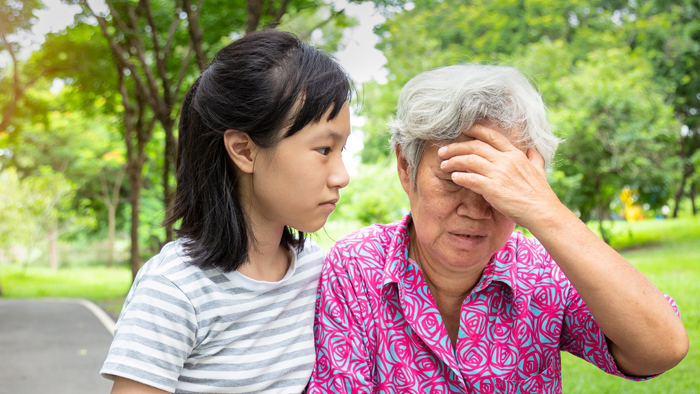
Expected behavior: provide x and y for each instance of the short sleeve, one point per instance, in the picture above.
(582, 337)
(154, 336)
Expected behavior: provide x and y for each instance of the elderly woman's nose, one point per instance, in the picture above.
(474, 206)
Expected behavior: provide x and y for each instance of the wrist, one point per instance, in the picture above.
(553, 218)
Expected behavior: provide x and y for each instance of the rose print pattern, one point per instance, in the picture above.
(378, 329)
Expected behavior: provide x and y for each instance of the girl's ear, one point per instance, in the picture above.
(241, 149)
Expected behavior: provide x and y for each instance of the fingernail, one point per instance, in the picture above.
(442, 150)
(443, 164)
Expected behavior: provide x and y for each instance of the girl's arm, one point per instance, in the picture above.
(645, 335)
(128, 386)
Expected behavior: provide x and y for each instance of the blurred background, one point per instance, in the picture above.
(90, 94)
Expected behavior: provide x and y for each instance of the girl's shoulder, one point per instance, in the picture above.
(171, 259)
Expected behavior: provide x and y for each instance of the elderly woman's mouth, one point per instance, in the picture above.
(468, 233)
(466, 239)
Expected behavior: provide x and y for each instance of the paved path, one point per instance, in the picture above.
(53, 347)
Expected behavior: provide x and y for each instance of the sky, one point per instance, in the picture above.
(358, 56)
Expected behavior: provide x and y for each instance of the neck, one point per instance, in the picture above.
(268, 260)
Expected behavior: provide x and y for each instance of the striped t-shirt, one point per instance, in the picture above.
(186, 330)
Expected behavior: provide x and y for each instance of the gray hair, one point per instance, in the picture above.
(438, 105)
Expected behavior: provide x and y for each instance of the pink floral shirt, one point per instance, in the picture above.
(378, 329)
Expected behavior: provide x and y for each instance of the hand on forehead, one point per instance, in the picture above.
(486, 132)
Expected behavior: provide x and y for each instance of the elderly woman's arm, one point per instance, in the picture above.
(644, 333)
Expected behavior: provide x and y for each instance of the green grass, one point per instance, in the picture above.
(674, 267)
(626, 235)
(93, 283)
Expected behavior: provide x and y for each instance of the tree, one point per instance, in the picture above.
(561, 45)
(79, 148)
(440, 33)
(669, 32)
(367, 204)
(17, 18)
(617, 127)
(31, 204)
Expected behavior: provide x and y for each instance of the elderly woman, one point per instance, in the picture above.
(450, 299)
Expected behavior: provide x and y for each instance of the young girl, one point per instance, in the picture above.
(229, 307)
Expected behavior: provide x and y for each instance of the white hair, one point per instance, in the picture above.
(438, 105)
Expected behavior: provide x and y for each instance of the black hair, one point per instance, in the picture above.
(261, 84)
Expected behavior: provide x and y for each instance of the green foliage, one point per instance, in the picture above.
(26, 205)
(444, 32)
(17, 15)
(84, 61)
(78, 148)
(607, 72)
(608, 110)
(324, 18)
(374, 195)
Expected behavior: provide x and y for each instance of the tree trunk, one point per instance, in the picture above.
(196, 34)
(692, 197)
(112, 211)
(111, 202)
(255, 8)
(168, 162)
(135, 179)
(679, 193)
(53, 247)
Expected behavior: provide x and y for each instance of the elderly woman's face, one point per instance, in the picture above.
(456, 227)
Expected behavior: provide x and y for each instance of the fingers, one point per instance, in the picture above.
(491, 137)
(467, 163)
(473, 147)
(474, 182)
(486, 143)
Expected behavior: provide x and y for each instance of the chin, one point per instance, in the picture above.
(307, 229)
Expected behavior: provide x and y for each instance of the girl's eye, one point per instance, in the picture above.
(324, 151)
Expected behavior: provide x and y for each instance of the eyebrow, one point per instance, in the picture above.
(334, 135)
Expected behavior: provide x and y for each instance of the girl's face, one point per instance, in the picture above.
(297, 182)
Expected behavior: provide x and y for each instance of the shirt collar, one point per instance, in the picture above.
(501, 268)
(397, 253)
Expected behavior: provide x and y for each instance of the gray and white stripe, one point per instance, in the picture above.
(185, 330)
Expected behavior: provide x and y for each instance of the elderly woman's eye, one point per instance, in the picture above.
(450, 185)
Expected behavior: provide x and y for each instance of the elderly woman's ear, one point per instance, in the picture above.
(404, 171)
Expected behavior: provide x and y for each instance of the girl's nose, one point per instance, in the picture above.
(339, 176)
